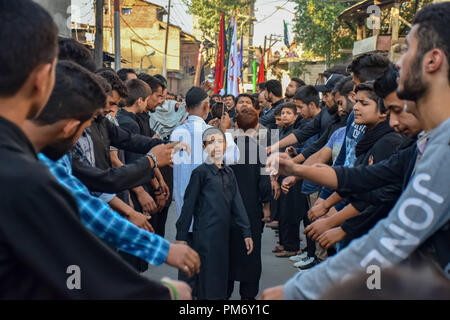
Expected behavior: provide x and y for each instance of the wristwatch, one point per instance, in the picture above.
(151, 155)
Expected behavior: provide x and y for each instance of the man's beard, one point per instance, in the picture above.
(287, 95)
(333, 109)
(413, 87)
(56, 150)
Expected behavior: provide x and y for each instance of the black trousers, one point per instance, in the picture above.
(247, 290)
(183, 277)
(310, 244)
(158, 220)
(292, 207)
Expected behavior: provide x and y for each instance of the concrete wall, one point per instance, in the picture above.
(59, 11)
(146, 34)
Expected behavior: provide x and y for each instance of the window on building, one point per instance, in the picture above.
(126, 11)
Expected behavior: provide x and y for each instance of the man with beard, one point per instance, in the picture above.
(274, 95)
(34, 205)
(319, 124)
(293, 85)
(418, 223)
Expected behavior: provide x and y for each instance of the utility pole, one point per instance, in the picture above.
(117, 34)
(166, 42)
(98, 45)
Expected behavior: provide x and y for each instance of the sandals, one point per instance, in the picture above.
(286, 254)
(278, 249)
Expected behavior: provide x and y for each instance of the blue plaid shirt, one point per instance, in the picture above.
(107, 224)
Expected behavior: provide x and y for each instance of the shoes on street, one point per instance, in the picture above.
(299, 257)
(305, 264)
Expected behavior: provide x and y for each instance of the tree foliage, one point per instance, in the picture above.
(209, 13)
(322, 34)
(318, 29)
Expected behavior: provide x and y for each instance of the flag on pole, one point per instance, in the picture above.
(241, 60)
(261, 75)
(286, 35)
(254, 75)
(233, 65)
(218, 79)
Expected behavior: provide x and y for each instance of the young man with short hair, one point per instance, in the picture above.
(126, 74)
(293, 86)
(273, 95)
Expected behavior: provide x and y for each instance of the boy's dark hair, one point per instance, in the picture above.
(274, 86)
(336, 69)
(247, 118)
(104, 84)
(368, 87)
(29, 38)
(262, 86)
(136, 89)
(289, 105)
(368, 66)
(387, 83)
(277, 111)
(71, 49)
(228, 95)
(152, 82)
(432, 31)
(344, 86)
(194, 97)
(77, 95)
(162, 80)
(123, 73)
(216, 96)
(299, 82)
(211, 131)
(115, 82)
(245, 95)
(308, 94)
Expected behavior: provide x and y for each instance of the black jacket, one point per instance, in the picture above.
(336, 123)
(105, 134)
(268, 119)
(113, 180)
(41, 236)
(377, 145)
(318, 125)
(396, 169)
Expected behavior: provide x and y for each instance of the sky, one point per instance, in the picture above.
(270, 19)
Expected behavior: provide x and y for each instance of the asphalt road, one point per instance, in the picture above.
(275, 271)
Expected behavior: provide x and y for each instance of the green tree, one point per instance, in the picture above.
(209, 13)
(319, 31)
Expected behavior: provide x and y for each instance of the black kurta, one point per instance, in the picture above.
(212, 198)
(255, 189)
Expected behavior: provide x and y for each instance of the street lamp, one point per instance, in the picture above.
(148, 54)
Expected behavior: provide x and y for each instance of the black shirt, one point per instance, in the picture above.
(318, 125)
(105, 134)
(41, 236)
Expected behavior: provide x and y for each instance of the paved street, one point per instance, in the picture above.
(275, 271)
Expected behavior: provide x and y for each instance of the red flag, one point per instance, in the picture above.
(218, 79)
(261, 77)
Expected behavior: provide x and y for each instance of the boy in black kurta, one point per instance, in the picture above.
(255, 189)
(212, 199)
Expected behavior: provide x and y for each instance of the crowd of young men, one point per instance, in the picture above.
(90, 159)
